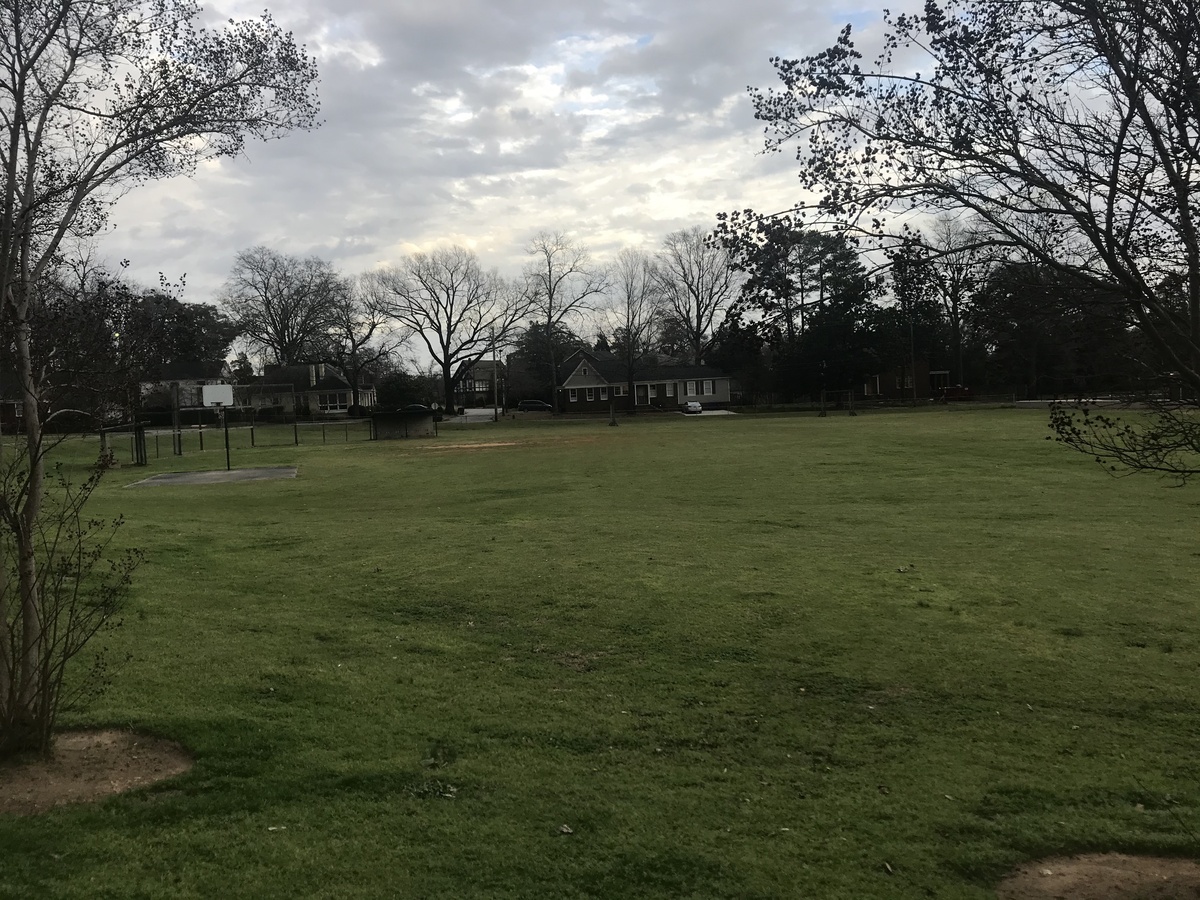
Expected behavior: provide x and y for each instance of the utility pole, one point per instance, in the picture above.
(495, 381)
(912, 347)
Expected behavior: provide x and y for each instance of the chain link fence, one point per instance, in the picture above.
(140, 444)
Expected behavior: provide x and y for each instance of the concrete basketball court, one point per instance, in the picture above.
(219, 476)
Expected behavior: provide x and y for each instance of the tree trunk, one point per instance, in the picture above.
(20, 716)
(554, 392)
(448, 388)
(6, 660)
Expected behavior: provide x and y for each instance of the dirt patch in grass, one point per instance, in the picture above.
(217, 476)
(469, 446)
(1108, 876)
(86, 766)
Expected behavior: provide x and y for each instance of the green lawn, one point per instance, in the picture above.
(883, 656)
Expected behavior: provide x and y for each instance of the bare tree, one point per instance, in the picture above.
(956, 255)
(459, 310)
(96, 97)
(561, 282)
(697, 284)
(1068, 128)
(358, 339)
(632, 313)
(283, 305)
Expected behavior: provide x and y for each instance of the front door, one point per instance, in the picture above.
(642, 392)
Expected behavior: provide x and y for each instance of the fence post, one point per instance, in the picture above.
(296, 431)
(346, 432)
(201, 438)
(322, 432)
(139, 444)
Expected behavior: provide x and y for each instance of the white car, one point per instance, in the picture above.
(693, 406)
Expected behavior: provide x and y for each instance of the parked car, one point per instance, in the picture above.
(534, 406)
(693, 406)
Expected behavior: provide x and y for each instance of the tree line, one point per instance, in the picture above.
(786, 308)
(1069, 131)
(444, 301)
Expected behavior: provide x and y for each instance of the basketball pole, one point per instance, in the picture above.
(225, 423)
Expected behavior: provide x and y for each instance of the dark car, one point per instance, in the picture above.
(534, 406)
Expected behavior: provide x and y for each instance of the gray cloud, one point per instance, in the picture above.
(481, 122)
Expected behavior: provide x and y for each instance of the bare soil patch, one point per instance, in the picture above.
(217, 476)
(86, 766)
(1107, 876)
(478, 446)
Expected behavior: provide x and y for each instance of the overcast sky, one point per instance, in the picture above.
(482, 122)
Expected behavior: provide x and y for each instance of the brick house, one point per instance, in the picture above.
(596, 381)
(897, 383)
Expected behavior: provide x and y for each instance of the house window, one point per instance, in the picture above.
(618, 390)
(603, 393)
(333, 402)
(653, 391)
(908, 381)
(709, 390)
(591, 393)
(897, 382)
(585, 370)
(690, 387)
(670, 389)
(574, 395)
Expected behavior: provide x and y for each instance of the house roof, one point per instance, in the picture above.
(650, 368)
(684, 372)
(485, 365)
(331, 382)
(607, 365)
(301, 378)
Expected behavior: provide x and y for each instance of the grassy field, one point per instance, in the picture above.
(882, 656)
